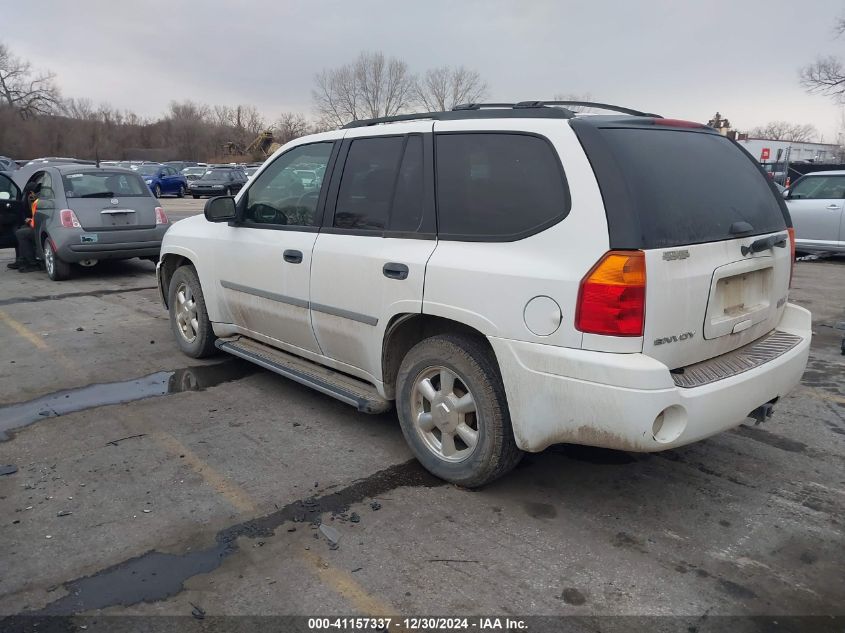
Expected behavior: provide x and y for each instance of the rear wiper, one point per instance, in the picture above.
(99, 194)
(765, 243)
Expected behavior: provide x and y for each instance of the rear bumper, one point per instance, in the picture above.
(122, 244)
(78, 252)
(629, 401)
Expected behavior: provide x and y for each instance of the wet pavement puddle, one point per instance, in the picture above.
(162, 383)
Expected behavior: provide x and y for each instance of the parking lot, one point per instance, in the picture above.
(205, 489)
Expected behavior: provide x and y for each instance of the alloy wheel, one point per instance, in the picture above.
(186, 313)
(444, 414)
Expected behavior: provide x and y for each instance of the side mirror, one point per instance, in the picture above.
(785, 193)
(220, 209)
(161, 174)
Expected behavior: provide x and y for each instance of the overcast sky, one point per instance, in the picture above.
(680, 58)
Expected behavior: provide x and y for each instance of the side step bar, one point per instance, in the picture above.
(345, 388)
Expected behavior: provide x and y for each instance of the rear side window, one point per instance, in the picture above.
(497, 187)
(366, 188)
(665, 188)
(819, 188)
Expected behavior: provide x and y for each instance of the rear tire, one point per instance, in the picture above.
(157, 191)
(181, 192)
(196, 197)
(188, 315)
(457, 425)
(57, 269)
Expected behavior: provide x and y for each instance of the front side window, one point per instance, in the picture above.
(495, 186)
(819, 188)
(278, 196)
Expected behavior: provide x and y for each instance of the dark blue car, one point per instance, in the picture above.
(163, 180)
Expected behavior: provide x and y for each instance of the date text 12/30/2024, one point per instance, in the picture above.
(433, 624)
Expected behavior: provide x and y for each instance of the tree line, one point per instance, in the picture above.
(36, 120)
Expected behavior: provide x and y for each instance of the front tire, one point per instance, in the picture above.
(57, 269)
(453, 410)
(188, 315)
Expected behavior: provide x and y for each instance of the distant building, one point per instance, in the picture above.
(771, 151)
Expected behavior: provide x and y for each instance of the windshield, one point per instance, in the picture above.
(149, 170)
(194, 171)
(103, 184)
(216, 174)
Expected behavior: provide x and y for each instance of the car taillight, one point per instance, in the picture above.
(69, 219)
(611, 299)
(161, 218)
(791, 231)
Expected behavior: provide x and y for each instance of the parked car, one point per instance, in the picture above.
(585, 281)
(193, 173)
(218, 180)
(162, 179)
(250, 172)
(815, 203)
(86, 214)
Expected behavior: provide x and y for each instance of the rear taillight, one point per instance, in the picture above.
(161, 218)
(611, 299)
(791, 231)
(69, 219)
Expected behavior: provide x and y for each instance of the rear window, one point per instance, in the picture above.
(104, 184)
(665, 188)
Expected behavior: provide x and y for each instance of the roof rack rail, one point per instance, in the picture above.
(470, 111)
(586, 104)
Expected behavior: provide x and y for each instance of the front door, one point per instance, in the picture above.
(370, 258)
(265, 276)
(816, 206)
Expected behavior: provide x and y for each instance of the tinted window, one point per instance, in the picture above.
(497, 186)
(104, 184)
(819, 188)
(366, 188)
(666, 188)
(278, 195)
(407, 211)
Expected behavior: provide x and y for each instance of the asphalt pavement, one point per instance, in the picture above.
(149, 483)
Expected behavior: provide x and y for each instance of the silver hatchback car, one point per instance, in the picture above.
(86, 214)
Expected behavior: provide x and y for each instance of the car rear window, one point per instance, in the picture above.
(665, 188)
(104, 184)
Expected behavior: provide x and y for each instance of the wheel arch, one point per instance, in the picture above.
(168, 265)
(406, 330)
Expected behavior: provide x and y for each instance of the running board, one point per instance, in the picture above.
(345, 388)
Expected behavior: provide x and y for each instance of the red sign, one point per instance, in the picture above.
(764, 154)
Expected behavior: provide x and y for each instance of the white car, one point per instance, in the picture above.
(815, 202)
(509, 277)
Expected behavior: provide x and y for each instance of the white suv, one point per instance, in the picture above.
(511, 276)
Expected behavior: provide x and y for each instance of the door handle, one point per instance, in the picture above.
(833, 206)
(293, 257)
(392, 270)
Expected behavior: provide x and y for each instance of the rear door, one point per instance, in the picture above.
(815, 203)
(370, 257)
(105, 200)
(713, 230)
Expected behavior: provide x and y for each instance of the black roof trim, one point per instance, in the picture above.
(523, 109)
(498, 112)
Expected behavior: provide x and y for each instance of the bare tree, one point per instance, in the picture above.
(371, 86)
(785, 131)
(28, 92)
(290, 125)
(571, 96)
(826, 75)
(441, 89)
